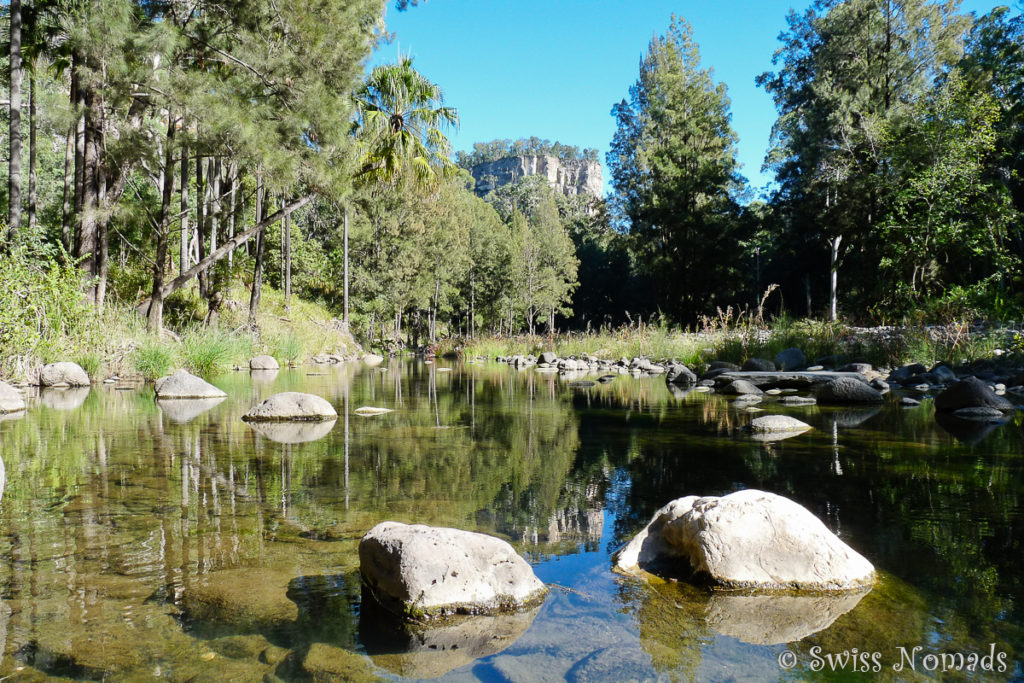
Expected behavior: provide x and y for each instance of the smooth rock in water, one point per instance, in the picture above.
(293, 432)
(245, 599)
(777, 423)
(847, 390)
(291, 405)
(604, 379)
(908, 402)
(901, 375)
(370, 411)
(420, 571)
(943, 374)
(879, 385)
(548, 357)
(11, 400)
(263, 362)
(740, 387)
(748, 539)
(970, 392)
(759, 365)
(680, 374)
(798, 401)
(182, 410)
(723, 365)
(184, 384)
(790, 359)
(63, 373)
(372, 359)
(861, 368)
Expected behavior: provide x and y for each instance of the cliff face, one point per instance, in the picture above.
(570, 177)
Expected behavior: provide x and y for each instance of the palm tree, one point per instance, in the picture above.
(399, 119)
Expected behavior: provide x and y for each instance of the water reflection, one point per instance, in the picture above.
(182, 410)
(124, 534)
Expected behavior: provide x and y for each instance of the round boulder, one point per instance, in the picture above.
(11, 400)
(264, 362)
(680, 374)
(846, 391)
(770, 424)
(759, 365)
(372, 359)
(291, 405)
(970, 392)
(419, 571)
(184, 384)
(790, 359)
(63, 373)
(548, 357)
(740, 387)
(748, 539)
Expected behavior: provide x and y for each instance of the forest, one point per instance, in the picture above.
(168, 161)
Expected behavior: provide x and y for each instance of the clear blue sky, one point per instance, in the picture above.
(519, 68)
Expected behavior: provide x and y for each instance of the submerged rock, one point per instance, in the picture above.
(747, 539)
(245, 599)
(263, 362)
(740, 387)
(777, 619)
(680, 374)
(291, 405)
(970, 392)
(11, 400)
(770, 424)
(372, 359)
(65, 372)
(184, 384)
(370, 411)
(420, 571)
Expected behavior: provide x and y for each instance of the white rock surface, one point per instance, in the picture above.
(63, 373)
(372, 359)
(263, 362)
(369, 411)
(419, 571)
(11, 400)
(183, 384)
(769, 424)
(748, 539)
(291, 405)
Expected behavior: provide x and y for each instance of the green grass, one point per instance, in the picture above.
(153, 359)
(206, 351)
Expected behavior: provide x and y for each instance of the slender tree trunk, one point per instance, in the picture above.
(33, 176)
(69, 184)
(257, 269)
(14, 164)
(79, 96)
(183, 250)
(834, 293)
(88, 245)
(233, 207)
(155, 317)
(201, 223)
(472, 304)
(344, 315)
(102, 233)
(287, 248)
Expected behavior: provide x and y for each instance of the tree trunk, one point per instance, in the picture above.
(69, 184)
(180, 281)
(344, 315)
(33, 179)
(257, 269)
(233, 207)
(155, 318)
(287, 249)
(472, 304)
(834, 292)
(88, 244)
(102, 223)
(183, 250)
(79, 103)
(14, 163)
(201, 224)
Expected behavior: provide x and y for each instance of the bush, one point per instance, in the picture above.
(153, 359)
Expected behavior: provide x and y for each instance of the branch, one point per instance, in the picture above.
(222, 251)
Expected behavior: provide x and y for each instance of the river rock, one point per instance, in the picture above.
(723, 365)
(370, 411)
(372, 359)
(418, 571)
(790, 359)
(11, 400)
(970, 392)
(184, 384)
(263, 362)
(63, 373)
(740, 387)
(291, 405)
(846, 390)
(548, 357)
(759, 365)
(943, 374)
(748, 539)
(777, 423)
(246, 599)
(902, 375)
(680, 374)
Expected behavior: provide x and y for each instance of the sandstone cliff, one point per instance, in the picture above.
(568, 176)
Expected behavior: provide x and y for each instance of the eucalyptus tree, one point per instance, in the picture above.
(14, 163)
(675, 175)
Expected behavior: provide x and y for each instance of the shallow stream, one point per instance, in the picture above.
(143, 542)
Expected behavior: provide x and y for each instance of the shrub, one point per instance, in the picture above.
(152, 359)
(206, 350)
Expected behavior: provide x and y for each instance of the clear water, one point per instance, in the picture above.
(139, 544)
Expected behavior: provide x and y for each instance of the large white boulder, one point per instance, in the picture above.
(63, 373)
(421, 571)
(183, 384)
(11, 400)
(263, 362)
(748, 539)
(291, 405)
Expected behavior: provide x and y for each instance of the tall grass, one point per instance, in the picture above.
(153, 359)
(208, 350)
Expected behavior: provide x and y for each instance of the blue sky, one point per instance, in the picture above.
(519, 68)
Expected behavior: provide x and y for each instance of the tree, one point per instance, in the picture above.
(675, 176)
(16, 76)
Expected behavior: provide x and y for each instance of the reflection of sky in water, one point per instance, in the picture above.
(113, 508)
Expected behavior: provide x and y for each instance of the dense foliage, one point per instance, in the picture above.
(500, 149)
